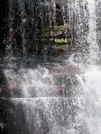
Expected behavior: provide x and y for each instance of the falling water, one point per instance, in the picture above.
(92, 37)
(76, 108)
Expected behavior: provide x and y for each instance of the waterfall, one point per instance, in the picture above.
(55, 98)
(27, 22)
(92, 37)
(90, 82)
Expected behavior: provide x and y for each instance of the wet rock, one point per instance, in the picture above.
(68, 70)
(10, 90)
(63, 87)
(14, 87)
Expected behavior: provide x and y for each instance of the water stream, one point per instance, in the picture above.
(57, 98)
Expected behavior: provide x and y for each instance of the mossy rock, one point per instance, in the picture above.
(62, 27)
(59, 47)
(62, 40)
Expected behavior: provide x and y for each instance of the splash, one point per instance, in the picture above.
(45, 109)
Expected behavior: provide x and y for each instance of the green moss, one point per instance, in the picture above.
(62, 27)
(62, 40)
(57, 27)
(59, 47)
(69, 40)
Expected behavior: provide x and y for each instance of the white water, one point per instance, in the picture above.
(92, 37)
(90, 83)
(80, 112)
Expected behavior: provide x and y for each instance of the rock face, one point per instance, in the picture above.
(62, 76)
(69, 70)
(35, 26)
(9, 90)
(3, 23)
(65, 78)
(60, 2)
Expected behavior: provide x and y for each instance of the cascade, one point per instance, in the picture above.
(52, 96)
